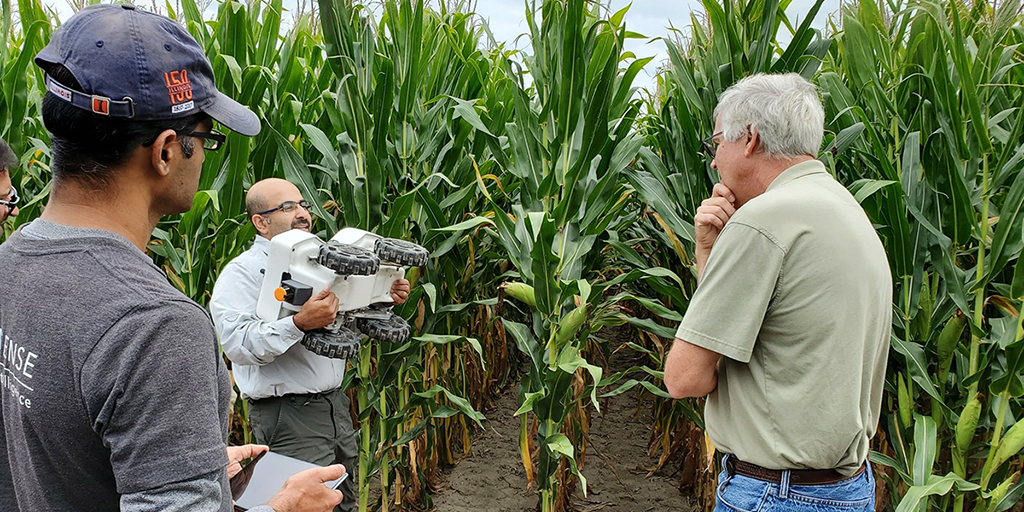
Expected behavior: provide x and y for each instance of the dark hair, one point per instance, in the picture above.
(8, 160)
(87, 146)
(254, 204)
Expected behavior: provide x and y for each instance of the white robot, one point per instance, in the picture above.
(358, 266)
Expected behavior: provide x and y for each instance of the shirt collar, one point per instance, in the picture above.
(262, 243)
(797, 171)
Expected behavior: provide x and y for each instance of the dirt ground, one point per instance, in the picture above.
(492, 478)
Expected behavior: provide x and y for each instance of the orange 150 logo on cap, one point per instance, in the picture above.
(180, 91)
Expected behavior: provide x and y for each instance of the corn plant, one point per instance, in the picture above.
(401, 115)
(935, 154)
(20, 122)
(558, 196)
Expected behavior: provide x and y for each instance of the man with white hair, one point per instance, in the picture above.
(788, 331)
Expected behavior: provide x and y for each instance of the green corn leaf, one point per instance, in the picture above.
(461, 403)
(934, 486)
(296, 171)
(917, 363)
(926, 448)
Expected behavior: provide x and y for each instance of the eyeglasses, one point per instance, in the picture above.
(287, 207)
(212, 140)
(12, 201)
(710, 147)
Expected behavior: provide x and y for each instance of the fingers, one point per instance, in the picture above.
(329, 299)
(326, 474)
(334, 496)
(305, 491)
(236, 454)
(245, 451)
(720, 190)
(713, 212)
(706, 219)
(718, 206)
(252, 450)
(400, 286)
(400, 291)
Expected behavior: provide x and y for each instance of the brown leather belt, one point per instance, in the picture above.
(796, 476)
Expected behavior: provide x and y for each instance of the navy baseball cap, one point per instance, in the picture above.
(138, 65)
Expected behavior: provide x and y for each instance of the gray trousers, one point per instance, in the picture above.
(314, 428)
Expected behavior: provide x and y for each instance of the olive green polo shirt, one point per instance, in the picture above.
(797, 297)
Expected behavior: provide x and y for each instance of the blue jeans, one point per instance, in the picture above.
(738, 493)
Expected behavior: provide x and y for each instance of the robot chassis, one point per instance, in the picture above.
(358, 266)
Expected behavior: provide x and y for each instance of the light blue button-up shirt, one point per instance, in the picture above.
(267, 358)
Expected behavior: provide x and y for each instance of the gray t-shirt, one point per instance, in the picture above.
(112, 380)
(797, 295)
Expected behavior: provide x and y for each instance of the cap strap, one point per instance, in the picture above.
(101, 105)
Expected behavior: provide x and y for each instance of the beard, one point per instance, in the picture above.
(302, 224)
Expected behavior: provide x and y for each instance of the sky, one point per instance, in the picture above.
(652, 18)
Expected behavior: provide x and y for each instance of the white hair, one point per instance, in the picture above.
(785, 109)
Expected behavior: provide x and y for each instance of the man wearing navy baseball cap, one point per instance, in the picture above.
(114, 394)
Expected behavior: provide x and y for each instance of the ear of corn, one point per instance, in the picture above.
(949, 338)
(521, 292)
(1011, 444)
(906, 403)
(967, 424)
(569, 325)
(923, 318)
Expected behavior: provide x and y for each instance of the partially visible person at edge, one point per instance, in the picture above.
(8, 195)
(115, 396)
(296, 402)
(788, 330)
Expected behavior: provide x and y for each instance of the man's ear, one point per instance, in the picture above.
(753, 139)
(164, 151)
(260, 223)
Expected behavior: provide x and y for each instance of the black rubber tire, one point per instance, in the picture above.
(348, 260)
(341, 344)
(394, 329)
(401, 252)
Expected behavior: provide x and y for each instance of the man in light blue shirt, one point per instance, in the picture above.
(296, 404)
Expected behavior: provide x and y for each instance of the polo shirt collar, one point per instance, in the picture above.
(797, 171)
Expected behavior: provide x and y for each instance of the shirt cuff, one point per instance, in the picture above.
(289, 330)
(713, 344)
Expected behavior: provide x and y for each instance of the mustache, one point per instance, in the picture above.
(300, 223)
